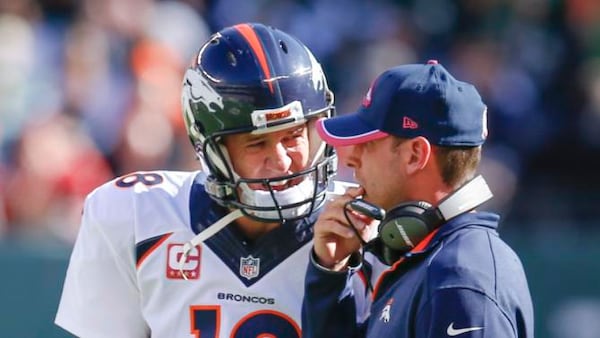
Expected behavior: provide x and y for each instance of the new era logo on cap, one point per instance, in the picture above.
(409, 101)
(408, 123)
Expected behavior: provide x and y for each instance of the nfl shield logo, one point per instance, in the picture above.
(249, 267)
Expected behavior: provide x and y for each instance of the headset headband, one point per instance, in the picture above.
(471, 195)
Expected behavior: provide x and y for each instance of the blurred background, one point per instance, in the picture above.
(90, 90)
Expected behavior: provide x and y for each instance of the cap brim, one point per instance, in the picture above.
(347, 130)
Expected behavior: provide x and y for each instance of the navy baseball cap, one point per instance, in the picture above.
(409, 101)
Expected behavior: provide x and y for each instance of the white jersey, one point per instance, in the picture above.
(124, 279)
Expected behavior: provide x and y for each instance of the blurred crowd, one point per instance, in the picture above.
(89, 90)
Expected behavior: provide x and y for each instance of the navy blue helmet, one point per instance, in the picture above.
(258, 79)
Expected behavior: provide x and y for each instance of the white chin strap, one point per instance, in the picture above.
(206, 234)
(261, 198)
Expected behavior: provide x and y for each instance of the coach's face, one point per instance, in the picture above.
(269, 155)
(379, 168)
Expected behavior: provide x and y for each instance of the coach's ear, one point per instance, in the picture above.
(419, 152)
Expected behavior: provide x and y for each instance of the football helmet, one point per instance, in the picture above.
(257, 79)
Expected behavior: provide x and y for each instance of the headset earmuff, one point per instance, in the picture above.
(407, 224)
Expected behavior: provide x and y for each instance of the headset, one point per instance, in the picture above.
(407, 224)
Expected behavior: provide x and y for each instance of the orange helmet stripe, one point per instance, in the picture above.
(250, 35)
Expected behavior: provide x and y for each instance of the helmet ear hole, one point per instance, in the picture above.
(232, 59)
(283, 46)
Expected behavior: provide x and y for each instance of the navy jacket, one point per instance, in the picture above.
(465, 282)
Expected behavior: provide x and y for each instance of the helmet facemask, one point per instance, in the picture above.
(271, 205)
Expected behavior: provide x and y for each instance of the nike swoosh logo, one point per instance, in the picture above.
(451, 331)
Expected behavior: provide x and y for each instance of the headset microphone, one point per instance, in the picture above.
(363, 207)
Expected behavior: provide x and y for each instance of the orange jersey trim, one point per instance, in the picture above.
(419, 247)
(152, 249)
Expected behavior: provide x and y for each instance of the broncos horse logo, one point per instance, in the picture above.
(199, 90)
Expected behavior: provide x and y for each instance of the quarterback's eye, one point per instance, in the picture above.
(298, 132)
(292, 139)
(256, 144)
(295, 134)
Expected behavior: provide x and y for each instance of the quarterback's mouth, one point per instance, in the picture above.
(281, 184)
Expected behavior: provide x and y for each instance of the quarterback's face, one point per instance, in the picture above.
(270, 155)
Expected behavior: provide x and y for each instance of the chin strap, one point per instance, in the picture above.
(206, 234)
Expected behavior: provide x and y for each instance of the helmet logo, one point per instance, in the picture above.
(289, 113)
(277, 115)
(199, 90)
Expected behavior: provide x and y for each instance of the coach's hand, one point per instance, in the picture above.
(334, 239)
